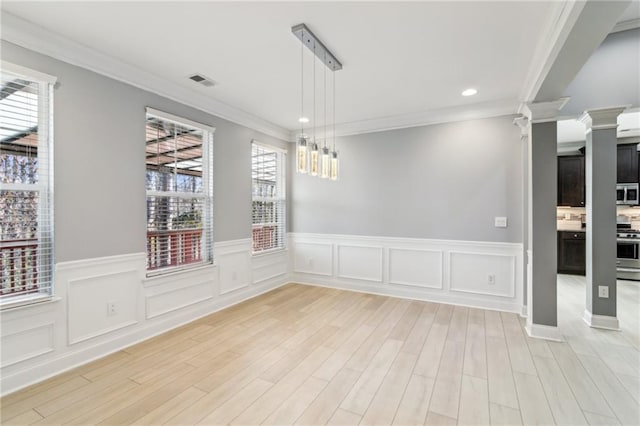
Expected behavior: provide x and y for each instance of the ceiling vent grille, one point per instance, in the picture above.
(201, 79)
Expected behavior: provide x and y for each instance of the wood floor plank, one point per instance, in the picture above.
(624, 406)
(414, 405)
(416, 338)
(344, 418)
(598, 420)
(507, 416)
(267, 403)
(458, 325)
(323, 407)
(429, 360)
(499, 374)
(445, 399)
(435, 419)
(26, 418)
(534, 406)
(518, 349)
(37, 399)
(297, 403)
(236, 405)
(383, 407)
(170, 408)
(584, 389)
(475, 351)
(564, 406)
(632, 384)
(365, 353)
(493, 324)
(474, 401)
(358, 400)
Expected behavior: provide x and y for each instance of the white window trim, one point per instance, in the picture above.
(46, 84)
(283, 153)
(179, 120)
(28, 72)
(207, 151)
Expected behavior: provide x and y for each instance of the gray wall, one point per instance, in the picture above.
(609, 77)
(444, 181)
(99, 167)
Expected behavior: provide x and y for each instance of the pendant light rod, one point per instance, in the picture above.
(313, 43)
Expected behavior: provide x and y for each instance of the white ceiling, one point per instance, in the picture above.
(404, 63)
(399, 58)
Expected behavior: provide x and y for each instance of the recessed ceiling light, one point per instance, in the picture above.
(469, 92)
(303, 120)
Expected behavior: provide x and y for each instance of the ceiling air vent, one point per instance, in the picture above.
(201, 79)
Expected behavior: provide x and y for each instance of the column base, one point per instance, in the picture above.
(601, 321)
(546, 332)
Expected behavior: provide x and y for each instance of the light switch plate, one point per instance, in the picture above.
(500, 222)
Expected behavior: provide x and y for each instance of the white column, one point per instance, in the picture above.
(542, 261)
(600, 164)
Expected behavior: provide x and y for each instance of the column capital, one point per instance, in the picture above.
(601, 118)
(541, 112)
(523, 124)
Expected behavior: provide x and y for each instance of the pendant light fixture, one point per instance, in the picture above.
(310, 158)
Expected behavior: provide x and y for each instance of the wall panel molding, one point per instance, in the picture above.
(421, 269)
(360, 262)
(28, 343)
(416, 267)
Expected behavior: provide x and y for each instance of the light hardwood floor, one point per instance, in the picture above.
(309, 355)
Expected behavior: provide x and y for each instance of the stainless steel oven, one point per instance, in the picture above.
(628, 254)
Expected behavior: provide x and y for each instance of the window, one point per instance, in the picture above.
(26, 214)
(268, 196)
(179, 162)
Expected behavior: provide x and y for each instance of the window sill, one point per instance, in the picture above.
(27, 302)
(170, 275)
(270, 251)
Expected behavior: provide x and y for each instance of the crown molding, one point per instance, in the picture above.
(631, 24)
(553, 36)
(34, 37)
(424, 118)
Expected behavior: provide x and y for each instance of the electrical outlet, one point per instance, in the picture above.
(234, 276)
(310, 262)
(112, 308)
(491, 279)
(603, 291)
(500, 222)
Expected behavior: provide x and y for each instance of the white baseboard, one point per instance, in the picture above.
(545, 332)
(601, 321)
(525, 311)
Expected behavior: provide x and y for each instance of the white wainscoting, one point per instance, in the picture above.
(41, 340)
(445, 271)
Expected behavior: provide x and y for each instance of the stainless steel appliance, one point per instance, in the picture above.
(627, 194)
(628, 257)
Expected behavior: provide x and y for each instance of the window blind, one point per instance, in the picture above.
(26, 214)
(268, 197)
(179, 184)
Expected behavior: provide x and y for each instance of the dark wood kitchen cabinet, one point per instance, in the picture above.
(628, 163)
(571, 190)
(572, 256)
